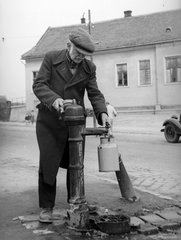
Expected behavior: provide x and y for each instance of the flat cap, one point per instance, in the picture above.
(82, 41)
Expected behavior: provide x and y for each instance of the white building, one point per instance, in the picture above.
(138, 60)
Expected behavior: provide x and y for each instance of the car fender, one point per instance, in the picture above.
(174, 123)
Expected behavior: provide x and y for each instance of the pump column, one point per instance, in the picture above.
(78, 214)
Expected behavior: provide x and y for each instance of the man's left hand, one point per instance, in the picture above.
(106, 122)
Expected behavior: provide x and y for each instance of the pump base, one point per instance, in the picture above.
(78, 216)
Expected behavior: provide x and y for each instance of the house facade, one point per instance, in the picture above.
(138, 60)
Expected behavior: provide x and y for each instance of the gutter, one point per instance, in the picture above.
(139, 45)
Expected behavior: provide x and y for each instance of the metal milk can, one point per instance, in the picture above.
(108, 157)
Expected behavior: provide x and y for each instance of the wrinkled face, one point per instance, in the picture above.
(75, 55)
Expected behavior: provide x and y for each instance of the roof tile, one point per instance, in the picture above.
(116, 33)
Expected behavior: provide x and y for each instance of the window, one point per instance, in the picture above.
(122, 75)
(145, 76)
(173, 69)
(35, 73)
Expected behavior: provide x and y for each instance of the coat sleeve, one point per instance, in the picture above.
(95, 95)
(41, 85)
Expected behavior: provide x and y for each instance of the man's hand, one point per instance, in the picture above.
(105, 120)
(58, 104)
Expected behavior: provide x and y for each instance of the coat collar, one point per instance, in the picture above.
(61, 66)
(62, 58)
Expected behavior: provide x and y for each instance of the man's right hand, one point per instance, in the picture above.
(58, 104)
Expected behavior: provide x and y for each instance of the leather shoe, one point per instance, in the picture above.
(46, 215)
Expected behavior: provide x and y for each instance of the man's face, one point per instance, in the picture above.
(76, 56)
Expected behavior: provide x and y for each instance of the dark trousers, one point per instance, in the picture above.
(47, 193)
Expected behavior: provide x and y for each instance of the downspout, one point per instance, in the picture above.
(157, 106)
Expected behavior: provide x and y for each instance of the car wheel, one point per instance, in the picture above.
(170, 134)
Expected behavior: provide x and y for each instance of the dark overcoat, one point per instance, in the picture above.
(55, 80)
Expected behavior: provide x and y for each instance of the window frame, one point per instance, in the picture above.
(165, 69)
(33, 79)
(116, 74)
(139, 76)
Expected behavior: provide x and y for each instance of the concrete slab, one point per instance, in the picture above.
(152, 218)
(159, 222)
(135, 222)
(148, 229)
(171, 216)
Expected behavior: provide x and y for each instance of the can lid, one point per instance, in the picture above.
(106, 139)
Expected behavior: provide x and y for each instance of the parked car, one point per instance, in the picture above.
(172, 130)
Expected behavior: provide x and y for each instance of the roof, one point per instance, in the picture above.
(117, 33)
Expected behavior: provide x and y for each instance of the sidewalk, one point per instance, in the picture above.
(124, 122)
(137, 123)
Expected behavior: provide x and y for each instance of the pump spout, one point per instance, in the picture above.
(95, 131)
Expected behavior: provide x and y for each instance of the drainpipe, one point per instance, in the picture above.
(157, 106)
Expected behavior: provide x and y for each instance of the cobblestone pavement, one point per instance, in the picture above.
(164, 184)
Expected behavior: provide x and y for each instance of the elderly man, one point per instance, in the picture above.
(63, 75)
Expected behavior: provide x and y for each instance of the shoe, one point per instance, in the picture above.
(46, 215)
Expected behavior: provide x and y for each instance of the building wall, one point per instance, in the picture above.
(169, 94)
(125, 96)
(31, 99)
(18, 113)
(133, 95)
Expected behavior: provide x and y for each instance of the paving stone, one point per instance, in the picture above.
(152, 218)
(159, 222)
(135, 222)
(171, 216)
(170, 209)
(148, 229)
(179, 212)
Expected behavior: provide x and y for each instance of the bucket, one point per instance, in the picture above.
(108, 157)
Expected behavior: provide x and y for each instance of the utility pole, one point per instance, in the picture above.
(90, 28)
(91, 58)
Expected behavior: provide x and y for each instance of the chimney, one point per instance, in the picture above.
(127, 13)
(83, 19)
